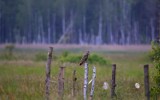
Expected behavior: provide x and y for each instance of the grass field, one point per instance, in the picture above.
(23, 78)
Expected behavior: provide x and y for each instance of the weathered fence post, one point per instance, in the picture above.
(113, 81)
(85, 81)
(61, 82)
(146, 81)
(74, 83)
(48, 70)
(93, 83)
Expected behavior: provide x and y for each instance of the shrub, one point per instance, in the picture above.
(75, 58)
(96, 59)
(155, 56)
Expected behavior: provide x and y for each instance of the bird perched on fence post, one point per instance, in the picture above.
(84, 58)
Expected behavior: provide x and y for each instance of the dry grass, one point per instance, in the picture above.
(23, 79)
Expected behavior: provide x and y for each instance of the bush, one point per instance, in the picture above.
(96, 59)
(75, 58)
(155, 56)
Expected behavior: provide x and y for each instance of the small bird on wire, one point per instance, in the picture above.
(84, 58)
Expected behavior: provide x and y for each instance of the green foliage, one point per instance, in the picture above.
(96, 59)
(75, 58)
(67, 57)
(155, 56)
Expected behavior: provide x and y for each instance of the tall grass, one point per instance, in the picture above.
(24, 78)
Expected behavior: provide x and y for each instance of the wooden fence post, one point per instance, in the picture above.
(146, 81)
(48, 70)
(85, 81)
(61, 82)
(74, 84)
(113, 81)
(93, 83)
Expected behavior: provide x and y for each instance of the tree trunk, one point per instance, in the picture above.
(84, 29)
(158, 18)
(63, 20)
(99, 37)
(135, 32)
(152, 29)
(54, 28)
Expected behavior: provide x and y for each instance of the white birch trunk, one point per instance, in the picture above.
(63, 20)
(135, 32)
(111, 34)
(128, 38)
(49, 33)
(71, 35)
(80, 37)
(93, 83)
(123, 23)
(85, 81)
(152, 29)
(54, 28)
(84, 29)
(68, 30)
(99, 37)
(122, 40)
(40, 29)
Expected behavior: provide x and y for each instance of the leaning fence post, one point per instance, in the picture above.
(48, 70)
(61, 82)
(113, 81)
(93, 83)
(85, 81)
(74, 83)
(146, 81)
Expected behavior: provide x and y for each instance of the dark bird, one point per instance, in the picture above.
(84, 58)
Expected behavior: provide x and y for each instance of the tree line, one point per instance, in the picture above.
(79, 21)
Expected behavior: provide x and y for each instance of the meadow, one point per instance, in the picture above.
(23, 76)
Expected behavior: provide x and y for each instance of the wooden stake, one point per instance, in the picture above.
(74, 84)
(93, 83)
(113, 81)
(48, 71)
(61, 82)
(146, 81)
